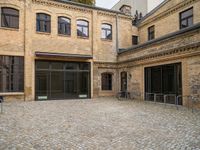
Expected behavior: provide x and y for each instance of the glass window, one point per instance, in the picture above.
(151, 33)
(106, 82)
(43, 22)
(11, 74)
(106, 31)
(64, 26)
(134, 40)
(9, 18)
(186, 18)
(82, 28)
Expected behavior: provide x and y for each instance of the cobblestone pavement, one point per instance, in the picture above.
(103, 123)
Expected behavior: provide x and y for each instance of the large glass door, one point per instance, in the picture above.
(62, 80)
(163, 81)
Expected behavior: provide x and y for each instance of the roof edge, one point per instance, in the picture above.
(162, 38)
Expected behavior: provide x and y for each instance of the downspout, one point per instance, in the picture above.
(24, 49)
(117, 35)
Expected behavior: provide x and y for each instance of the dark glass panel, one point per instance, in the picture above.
(71, 85)
(57, 65)
(186, 18)
(106, 31)
(9, 17)
(71, 66)
(64, 26)
(43, 22)
(106, 80)
(42, 84)
(151, 33)
(83, 84)
(57, 85)
(84, 66)
(82, 28)
(42, 65)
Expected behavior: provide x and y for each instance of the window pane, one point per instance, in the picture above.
(11, 74)
(9, 18)
(64, 26)
(82, 28)
(186, 13)
(106, 80)
(43, 22)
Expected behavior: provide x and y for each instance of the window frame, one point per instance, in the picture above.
(82, 28)
(135, 40)
(151, 34)
(38, 29)
(11, 71)
(10, 16)
(106, 31)
(67, 26)
(106, 81)
(186, 18)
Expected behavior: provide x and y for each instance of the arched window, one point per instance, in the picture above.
(106, 81)
(82, 28)
(106, 31)
(64, 26)
(9, 17)
(43, 22)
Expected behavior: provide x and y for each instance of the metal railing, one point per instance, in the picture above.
(164, 98)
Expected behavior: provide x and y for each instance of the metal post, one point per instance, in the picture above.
(1, 101)
(165, 97)
(155, 98)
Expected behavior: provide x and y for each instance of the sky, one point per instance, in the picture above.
(109, 3)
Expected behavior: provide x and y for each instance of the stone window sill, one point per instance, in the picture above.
(81, 37)
(12, 94)
(64, 35)
(43, 33)
(106, 40)
(11, 29)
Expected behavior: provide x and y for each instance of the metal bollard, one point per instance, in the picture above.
(1, 101)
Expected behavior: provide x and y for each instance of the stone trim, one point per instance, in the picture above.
(172, 51)
(74, 6)
(162, 39)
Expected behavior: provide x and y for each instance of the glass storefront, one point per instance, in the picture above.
(62, 80)
(163, 81)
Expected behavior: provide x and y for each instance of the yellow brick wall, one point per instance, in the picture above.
(170, 21)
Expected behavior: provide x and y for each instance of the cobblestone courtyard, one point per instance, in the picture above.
(103, 123)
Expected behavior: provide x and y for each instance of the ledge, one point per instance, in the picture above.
(163, 38)
(62, 55)
(12, 94)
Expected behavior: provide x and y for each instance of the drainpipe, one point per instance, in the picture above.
(117, 36)
(25, 3)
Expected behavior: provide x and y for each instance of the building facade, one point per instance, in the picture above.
(141, 6)
(62, 50)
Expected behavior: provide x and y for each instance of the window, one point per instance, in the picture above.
(82, 28)
(106, 31)
(134, 40)
(43, 23)
(64, 26)
(106, 79)
(9, 18)
(11, 74)
(151, 33)
(186, 18)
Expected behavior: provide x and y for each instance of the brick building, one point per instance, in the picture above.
(56, 49)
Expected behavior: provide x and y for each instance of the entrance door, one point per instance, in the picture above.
(123, 81)
(42, 84)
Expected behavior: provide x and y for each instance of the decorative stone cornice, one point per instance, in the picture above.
(166, 13)
(53, 3)
(179, 50)
(107, 14)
